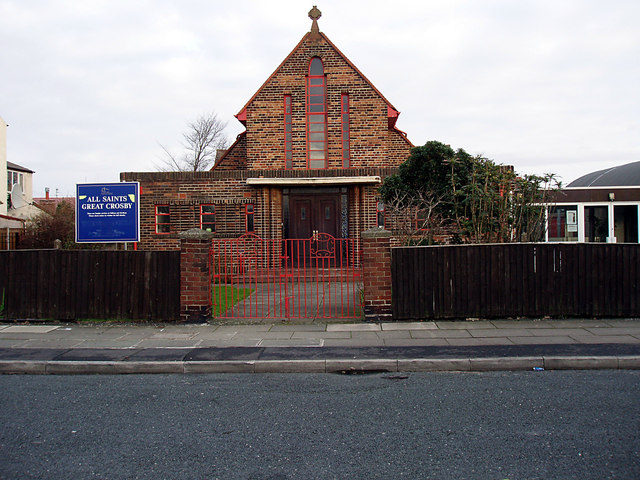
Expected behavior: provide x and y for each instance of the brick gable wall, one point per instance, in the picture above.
(373, 144)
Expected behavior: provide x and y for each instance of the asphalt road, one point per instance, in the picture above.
(513, 425)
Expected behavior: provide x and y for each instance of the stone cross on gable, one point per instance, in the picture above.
(315, 14)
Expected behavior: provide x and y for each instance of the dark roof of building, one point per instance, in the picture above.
(621, 176)
(19, 168)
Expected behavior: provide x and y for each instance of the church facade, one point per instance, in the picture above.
(319, 138)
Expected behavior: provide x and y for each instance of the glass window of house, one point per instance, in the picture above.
(563, 224)
(596, 223)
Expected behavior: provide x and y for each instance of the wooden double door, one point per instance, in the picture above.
(311, 214)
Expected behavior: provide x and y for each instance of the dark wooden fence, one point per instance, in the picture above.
(90, 284)
(512, 280)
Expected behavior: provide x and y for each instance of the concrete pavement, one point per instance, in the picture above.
(322, 347)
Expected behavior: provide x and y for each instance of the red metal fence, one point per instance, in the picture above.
(287, 279)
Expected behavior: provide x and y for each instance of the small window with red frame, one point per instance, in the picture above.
(163, 219)
(208, 218)
(249, 214)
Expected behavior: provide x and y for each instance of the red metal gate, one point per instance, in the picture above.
(318, 277)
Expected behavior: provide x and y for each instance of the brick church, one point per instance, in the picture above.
(319, 138)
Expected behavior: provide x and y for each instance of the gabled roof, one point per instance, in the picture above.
(224, 153)
(392, 111)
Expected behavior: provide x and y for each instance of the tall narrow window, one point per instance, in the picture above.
(208, 218)
(316, 115)
(346, 134)
(248, 212)
(163, 219)
(380, 214)
(288, 151)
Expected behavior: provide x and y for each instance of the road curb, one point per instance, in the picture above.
(345, 366)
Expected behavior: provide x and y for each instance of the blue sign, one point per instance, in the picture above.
(108, 212)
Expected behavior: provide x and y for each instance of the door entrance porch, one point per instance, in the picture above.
(308, 212)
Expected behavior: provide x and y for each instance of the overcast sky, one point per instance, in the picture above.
(90, 88)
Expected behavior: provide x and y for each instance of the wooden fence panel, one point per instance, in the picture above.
(511, 280)
(77, 284)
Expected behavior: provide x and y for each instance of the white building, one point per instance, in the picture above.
(602, 206)
(13, 214)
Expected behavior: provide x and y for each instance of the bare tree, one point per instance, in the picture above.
(414, 218)
(204, 137)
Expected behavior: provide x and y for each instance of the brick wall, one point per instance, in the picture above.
(376, 272)
(373, 143)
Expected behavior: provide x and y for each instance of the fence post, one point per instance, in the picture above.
(195, 288)
(376, 272)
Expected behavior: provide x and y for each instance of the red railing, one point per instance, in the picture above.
(318, 277)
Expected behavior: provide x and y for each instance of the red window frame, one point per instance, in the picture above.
(249, 218)
(346, 130)
(421, 220)
(208, 217)
(316, 115)
(288, 141)
(163, 227)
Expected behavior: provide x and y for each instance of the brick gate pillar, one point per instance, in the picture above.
(376, 271)
(195, 288)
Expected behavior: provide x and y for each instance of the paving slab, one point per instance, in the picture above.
(625, 322)
(470, 342)
(150, 343)
(387, 334)
(351, 342)
(408, 326)
(579, 323)
(52, 343)
(614, 331)
(557, 332)
(30, 329)
(323, 335)
(522, 323)
(173, 336)
(440, 334)
(298, 328)
(462, 324)
(353, 327)
(501, 332)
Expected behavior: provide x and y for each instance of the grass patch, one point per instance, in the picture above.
(226, 296)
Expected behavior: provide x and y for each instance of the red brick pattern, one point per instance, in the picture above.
(376, 265)
(195, 289)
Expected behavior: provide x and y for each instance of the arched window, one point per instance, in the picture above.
(316, 115)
